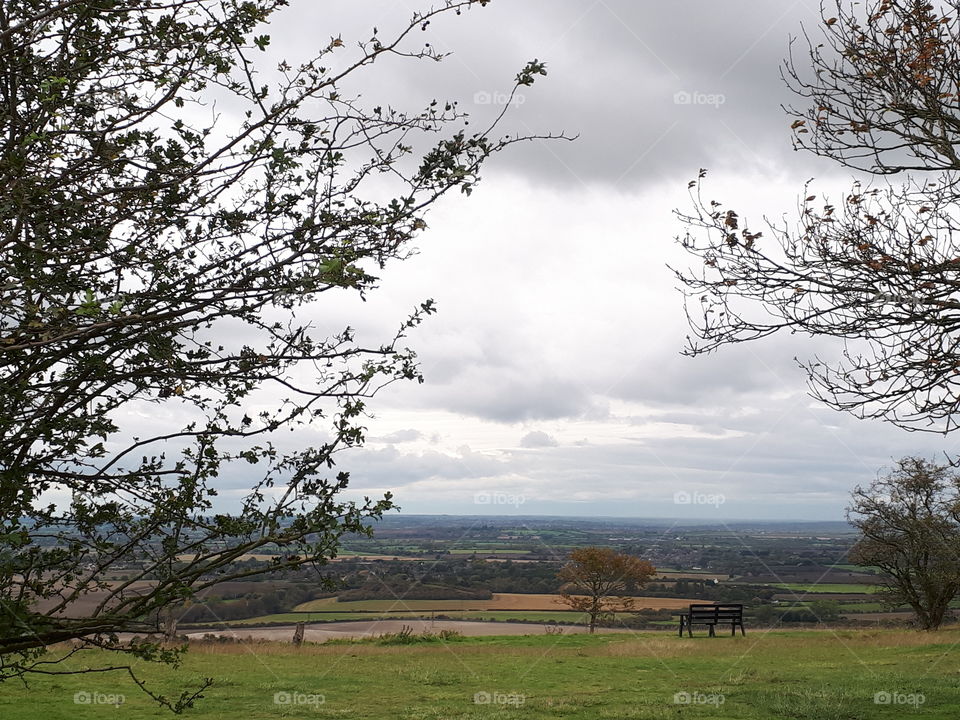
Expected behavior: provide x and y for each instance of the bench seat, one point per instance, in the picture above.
(712, 615)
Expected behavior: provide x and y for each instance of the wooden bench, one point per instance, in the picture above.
(713, 615)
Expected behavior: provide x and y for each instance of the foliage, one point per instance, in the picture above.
(910, 520)
(404, 636)
(878, 268)
(598, 581)
(825, 610)
(171, 211)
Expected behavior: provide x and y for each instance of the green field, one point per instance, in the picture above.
(389, 605)
(854, 568)
(862, 607)
(764, 676)
(400, 614)
(827, 588)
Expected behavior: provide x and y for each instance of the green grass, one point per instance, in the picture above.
(827, 587)
(499, 615)
(880, 607)
(487, 551)
(527, 615)
(777, 675)
(862, 607)
(854, 568)
(422, 606)
(390, 605)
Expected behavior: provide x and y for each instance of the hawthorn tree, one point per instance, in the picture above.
(172, 208)
(879, 267)
(910, 521)
(599, 582)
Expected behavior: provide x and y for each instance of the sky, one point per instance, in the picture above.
(555, 382)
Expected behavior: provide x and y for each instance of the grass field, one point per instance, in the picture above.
(499, 601)
(653, 676)
(861, 607)
(488, 551)
(813, 588)
(853, 568)
(694, 575)
(499, 615)
(875, 606)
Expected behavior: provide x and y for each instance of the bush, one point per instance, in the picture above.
(405, 636)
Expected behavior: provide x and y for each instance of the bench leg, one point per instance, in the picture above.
(681, 626)
(712, 631)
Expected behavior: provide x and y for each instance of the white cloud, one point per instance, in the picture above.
(559, 322)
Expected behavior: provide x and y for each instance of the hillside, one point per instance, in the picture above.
(842, 675)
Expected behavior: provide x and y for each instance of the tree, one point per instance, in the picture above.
(171, 212)
(879, 268)
(825, 610)
(598, 581)
(910, 521)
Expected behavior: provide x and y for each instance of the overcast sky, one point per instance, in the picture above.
(554, 380)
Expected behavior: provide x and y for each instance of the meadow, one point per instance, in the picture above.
(818, 588)
(800, 675)
(500, 607)
(495, 615)
(499, 601)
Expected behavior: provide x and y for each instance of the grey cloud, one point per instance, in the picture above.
(799, 461)
(555, 305)
(522, 399)
(615, 71)
(517, 393)
(400, 436)
(537, 439)
(392, 468)
(736, 374)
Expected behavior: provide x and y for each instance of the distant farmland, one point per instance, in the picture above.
(816, 588)
(499, 601)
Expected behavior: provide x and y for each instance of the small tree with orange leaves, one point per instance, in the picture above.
(598, 581)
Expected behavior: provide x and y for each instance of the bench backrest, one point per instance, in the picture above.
(718, 613)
